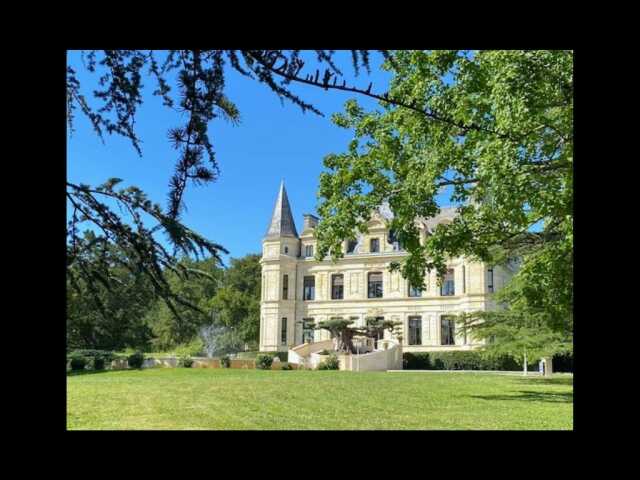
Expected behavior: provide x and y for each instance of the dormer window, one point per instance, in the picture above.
(392, 239)
(286, 249)
(374, 245)
(308, 251)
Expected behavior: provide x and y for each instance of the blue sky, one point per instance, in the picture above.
(273, 141)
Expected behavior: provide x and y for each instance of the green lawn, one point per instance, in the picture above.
(181, 398)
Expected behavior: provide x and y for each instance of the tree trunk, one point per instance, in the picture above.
(548, 364)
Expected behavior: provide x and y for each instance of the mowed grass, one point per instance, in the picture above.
(183, 398)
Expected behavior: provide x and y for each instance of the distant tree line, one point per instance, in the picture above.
(124, 311)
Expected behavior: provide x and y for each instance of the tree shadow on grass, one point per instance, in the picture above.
(546, 381)
(561, 397)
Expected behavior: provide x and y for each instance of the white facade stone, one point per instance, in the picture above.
(284, 255)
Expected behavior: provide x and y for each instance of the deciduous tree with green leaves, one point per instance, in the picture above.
(493, 128)
(236, 305)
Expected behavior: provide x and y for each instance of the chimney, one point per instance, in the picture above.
(310, 221)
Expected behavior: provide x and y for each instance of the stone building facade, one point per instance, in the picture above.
(298, 290)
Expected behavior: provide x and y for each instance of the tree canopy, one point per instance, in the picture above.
(493, 128)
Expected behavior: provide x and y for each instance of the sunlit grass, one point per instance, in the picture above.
(181, 398)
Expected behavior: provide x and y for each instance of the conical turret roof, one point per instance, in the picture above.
(282, 224)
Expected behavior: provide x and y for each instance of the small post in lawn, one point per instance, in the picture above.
(524, 365)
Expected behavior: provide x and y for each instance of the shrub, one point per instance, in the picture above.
(462, 360)
(135, 360)
(331, 363)
(78, 362)
(186, 362)
(95, 358)
(225, 361)
(287, 366)
(264, 361)
(283, 356)
(416, 361)
(98, 363)
(323, 352)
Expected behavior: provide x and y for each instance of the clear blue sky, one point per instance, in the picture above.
(273, 141)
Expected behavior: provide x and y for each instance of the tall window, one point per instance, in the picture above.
(447, 331)
(374, 245)
(307, 330)
(286, 249)
(285, 287)
(283, 331)
(308, 251)
(448, 286)
(337, 287)
(309, 290)
(351, 246)
(490, 279)
(375, 285)
(414, 291)
(415, 331)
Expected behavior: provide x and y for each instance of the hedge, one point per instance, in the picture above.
(95, 359)
(464, 360)
(106, 355)
(283, 356)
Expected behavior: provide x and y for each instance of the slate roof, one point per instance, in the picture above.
(282, 224)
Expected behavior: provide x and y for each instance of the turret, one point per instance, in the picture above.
(280, 252)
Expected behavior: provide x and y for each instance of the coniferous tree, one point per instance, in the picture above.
(112, 109)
